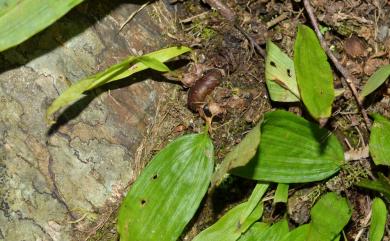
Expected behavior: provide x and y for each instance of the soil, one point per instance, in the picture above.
(358, 32)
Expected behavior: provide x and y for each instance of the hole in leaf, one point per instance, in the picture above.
(143, 202)
(272, 63)
(155, 177)
(289, 72)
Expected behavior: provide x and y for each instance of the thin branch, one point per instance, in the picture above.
(277, 20)
(189, 19)
(231, 16)
(133, 15)
(259, 49)
(223, 9)
(349, 79)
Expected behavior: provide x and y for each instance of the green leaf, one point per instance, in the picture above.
(227, 228)
(153, 63)
(298, 234)
(262, 232)
(337, 238)
(376, 80)
(253, 201)
(21, 19)
(382, 185)
(275, 232)
(378, 220)
(76, 91)
(237, 220)
(118, 71)
(328, 217)
(161, 55)
(281, 193)
(293, 150)
(254, 232)
(380, 140)
(280, 75)
(239, 156)
(168, 192)
(313, 73)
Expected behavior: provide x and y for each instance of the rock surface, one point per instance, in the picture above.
(54, 180)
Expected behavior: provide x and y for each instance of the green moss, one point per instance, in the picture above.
(207, 33)
(345, 29)
(202, 31)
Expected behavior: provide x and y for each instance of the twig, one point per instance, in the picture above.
(277, 20)
(259, 49)
(189, 19)
(223, 9)
(229, 14)
(366, 220)
(348, 78)
(132, 15)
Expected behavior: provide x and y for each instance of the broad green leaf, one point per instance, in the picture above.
(253, 201)
(378, 220)
(168, 192)
(293, 150)
(281, 193)
(275, 232)
(239, 156)
(328, 217)
(21, 19)
(227, 228)
(382, 185)
(254, 232)
(280, 75)
(380, 140)
(118, 71)
(376, 80)
(237, 220)
(298, 234)
(313, 73)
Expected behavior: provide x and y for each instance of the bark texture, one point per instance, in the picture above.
(55, 180)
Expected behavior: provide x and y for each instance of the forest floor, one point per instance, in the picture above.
(357, 31)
